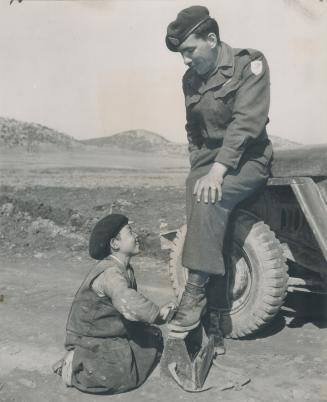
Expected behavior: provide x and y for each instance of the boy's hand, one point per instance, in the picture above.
(165, 311)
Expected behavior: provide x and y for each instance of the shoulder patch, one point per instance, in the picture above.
(256, 67)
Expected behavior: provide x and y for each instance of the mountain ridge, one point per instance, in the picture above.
(34, 137)
(138, 140)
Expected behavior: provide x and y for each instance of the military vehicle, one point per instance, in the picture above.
(276, 242)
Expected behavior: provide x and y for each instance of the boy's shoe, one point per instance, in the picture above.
(57, 367)
(67, 368)
(190, 309)
(63, 367)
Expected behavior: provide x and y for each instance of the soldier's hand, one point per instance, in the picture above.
(211, 184)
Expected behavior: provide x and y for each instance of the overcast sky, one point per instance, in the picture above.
(94, 68)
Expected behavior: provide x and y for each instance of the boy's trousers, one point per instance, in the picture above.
(115, 365)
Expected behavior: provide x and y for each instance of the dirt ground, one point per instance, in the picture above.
(286, 362)
(46, 215)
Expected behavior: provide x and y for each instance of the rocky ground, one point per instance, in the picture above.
(37, 220)
(45, 222)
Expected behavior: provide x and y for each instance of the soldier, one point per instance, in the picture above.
(227, 95)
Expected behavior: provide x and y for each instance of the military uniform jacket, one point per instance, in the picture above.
(228, 112)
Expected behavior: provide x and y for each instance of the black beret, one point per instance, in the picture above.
(104, 230)
(186, 22)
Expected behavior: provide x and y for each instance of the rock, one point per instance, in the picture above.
(102, 207)
(7, 209)
(27, 383)
(89, 224)
(78, 247)
(299, 359)
(76, 220)
(38, 226)
(45, 226)
(15, 350)
(299, 395)
(163, 224)
(39, 255)
(123, 203)
(19, 216)
(27, 216)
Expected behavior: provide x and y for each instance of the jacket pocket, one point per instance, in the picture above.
(203, 156)
(227, 91)
(193, 157)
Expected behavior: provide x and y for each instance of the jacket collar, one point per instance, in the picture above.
(113, 257)
(220, 75)
(116, 259)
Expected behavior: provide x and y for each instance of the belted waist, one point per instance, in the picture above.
(260, 150)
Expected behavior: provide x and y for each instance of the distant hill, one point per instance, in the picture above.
(147, 141)
(33, 137)
(279, 142)
(139, 140)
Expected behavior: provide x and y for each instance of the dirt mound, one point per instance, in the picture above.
(25, 234)
(35, 221)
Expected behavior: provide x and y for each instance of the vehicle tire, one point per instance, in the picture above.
(257, 274)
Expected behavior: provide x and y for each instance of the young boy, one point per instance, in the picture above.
(111, 346)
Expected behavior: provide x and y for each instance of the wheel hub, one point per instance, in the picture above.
(240, 279)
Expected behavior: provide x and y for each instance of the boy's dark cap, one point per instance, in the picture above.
(186, 22)
(104, 230)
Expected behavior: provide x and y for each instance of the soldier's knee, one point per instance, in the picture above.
(208, 212)
(190, 182)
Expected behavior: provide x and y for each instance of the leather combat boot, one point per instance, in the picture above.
(214, 331)
(218, 301)
(190, 309)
